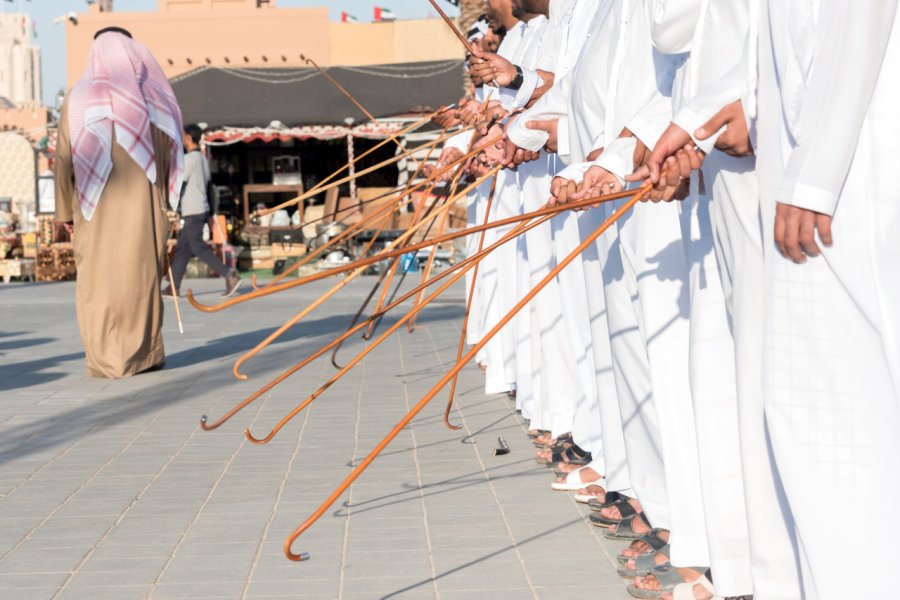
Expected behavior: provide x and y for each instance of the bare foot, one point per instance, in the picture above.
(613, 513)
(597, 491)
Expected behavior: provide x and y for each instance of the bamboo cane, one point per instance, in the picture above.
(464, 265)
(319, 301)
(453, 28)
(581, 204)
(362, 466)
(175, 296)
(344, 91)
(465, 323)
(414, 311)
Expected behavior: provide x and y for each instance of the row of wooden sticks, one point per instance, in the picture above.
(424, 218)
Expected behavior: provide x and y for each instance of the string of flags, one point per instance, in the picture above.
(381, 14)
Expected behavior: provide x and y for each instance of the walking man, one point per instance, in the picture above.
(195, 212)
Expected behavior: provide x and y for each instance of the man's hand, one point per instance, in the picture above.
(551, 128)
(673, 139)
(445, 118)
(448, 157)
(562, 190)
(513, 155)
(469, 112)
(492, 68)
(494, 114)
(735, 140)
(795, 232)
(597, 182)
(489, 155)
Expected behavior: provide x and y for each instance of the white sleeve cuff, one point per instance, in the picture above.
(460, 141)
(575, 171)
(618, 157)
(807, 196)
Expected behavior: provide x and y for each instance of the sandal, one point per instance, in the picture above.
(625, 510)
(588, 496)
(610, 499)
(573, 482)
(652, 539)
(668, 578)
(643, 564)
(573, 455)
(685, 591)
(625, 529)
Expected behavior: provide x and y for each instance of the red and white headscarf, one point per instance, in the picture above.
(124, 90)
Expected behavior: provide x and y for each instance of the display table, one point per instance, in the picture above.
(23, 268)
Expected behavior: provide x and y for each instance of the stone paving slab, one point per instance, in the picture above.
(110, 489)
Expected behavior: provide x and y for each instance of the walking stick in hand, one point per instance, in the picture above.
(362, 466)
(177, 308)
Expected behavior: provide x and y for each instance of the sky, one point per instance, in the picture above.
(52, 39)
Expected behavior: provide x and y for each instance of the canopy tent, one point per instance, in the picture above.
(286, 98)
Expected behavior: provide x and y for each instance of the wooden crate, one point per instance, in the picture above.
(56, 263)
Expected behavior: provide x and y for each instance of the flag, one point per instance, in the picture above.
(347, 18)
(384, 14)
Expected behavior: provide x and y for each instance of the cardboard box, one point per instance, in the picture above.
(29, 245)
(288, 250)
(256, 258)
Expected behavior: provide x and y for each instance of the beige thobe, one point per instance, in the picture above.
(119, 255)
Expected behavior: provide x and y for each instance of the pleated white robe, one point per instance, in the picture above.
(828, 126)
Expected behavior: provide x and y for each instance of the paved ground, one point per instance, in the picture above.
(110, 490)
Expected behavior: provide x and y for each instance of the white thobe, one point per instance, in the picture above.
(647, 292)
(498, 352)
(828, 127)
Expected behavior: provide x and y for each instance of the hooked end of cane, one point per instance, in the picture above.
(193, 302)
(203, 425)
(237, 373)
(254, 440)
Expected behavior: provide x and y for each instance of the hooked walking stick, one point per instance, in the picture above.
(588, 202)
(453, 28)
(521, 228)
(465, 323)
(319, 301)
(464, 265)
(344, 91)
(362, 466)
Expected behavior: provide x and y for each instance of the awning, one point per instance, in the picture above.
(232, 135)
(298, 97)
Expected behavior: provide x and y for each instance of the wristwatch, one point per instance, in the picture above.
(518, 80)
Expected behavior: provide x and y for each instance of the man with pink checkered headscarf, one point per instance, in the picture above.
(118, 168)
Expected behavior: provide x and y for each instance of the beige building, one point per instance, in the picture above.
(187, 34)
(20, 61)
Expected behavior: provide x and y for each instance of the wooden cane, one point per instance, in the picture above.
(580, 204)
(177, 308)
(344, 91)
(413, 312)
(464, 265)
(453, 28)
(465, 323)
(320, 300)
(362, 466)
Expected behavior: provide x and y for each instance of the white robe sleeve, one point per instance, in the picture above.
(552, 105)
(460, 141)
(672, 24)
(851, 40)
